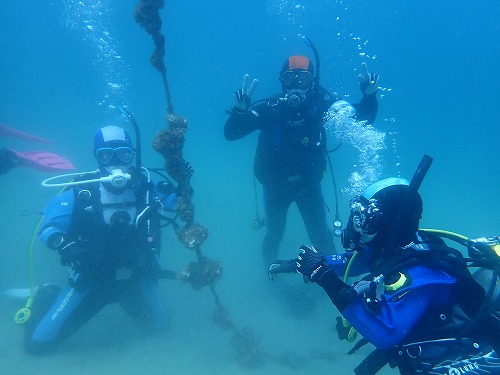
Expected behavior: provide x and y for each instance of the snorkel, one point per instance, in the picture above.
(419, 175)
(310, 44)
(138, 152)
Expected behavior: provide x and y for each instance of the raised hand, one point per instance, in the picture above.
(243, 97)
(367, 81)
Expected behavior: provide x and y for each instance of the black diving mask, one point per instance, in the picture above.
(297, 79)
(365, 218)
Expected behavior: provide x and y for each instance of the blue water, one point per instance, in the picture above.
(65, 66)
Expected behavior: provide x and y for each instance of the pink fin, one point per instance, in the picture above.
(13, 133)
(45, 161)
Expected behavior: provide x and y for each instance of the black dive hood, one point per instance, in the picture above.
(389, 240)
(419, 175)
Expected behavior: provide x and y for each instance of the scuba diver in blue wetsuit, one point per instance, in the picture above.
(290, 160)
(106, 227)
(419, 305)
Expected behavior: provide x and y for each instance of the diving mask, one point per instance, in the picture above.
(106, 154)
(366, 217)
(297, 79)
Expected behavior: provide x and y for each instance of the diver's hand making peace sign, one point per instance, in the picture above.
(243, 97)
(367, 81)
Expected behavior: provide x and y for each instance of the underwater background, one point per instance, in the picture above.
(65, 68)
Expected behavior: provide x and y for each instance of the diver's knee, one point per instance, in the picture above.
(35, 347)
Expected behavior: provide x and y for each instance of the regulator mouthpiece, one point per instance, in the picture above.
(117, 178)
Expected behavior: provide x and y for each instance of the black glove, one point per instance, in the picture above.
(8, 160)
(184, 188)
(243, 97)
(342, 330)
(312, 263)
(367, 81)
(72, 255)
(282, 266)
(187, 169)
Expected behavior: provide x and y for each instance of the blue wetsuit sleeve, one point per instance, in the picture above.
(360, 265)
(399, 313)
(57, 216)
(339, 262)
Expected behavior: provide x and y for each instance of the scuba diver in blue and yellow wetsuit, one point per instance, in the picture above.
(419, 305)
(106, 227)
(290, 160)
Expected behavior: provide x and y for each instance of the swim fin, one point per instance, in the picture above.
(18, 294)
(42, 160)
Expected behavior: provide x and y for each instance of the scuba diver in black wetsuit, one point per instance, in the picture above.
(419, 305)
(106, 227)
(290, 159)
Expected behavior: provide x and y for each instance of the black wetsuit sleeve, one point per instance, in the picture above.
(339, 292)
(366, 109)
(239, 125)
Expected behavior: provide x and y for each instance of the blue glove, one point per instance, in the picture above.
(312, 263)
(243, 97)
(367, 81)
(282, 266)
